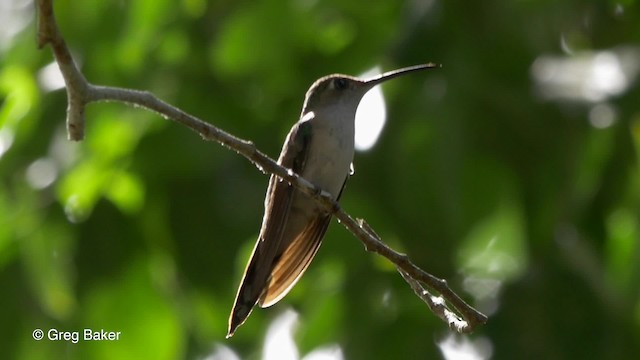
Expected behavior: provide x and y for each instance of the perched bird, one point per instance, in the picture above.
(320, 148)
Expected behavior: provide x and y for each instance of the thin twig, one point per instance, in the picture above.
(415, 276)
(436, 304)
(76, 83)
(80, 92)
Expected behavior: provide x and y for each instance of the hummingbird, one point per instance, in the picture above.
(320, 148)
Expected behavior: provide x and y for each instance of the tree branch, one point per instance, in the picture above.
(80, 92)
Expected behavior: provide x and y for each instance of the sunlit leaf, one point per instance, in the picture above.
(495, 247)
(113, 135)
(47, 250)
(175, 47)
(623, 234)
(19, 93)
(80, 189)
(126, 191)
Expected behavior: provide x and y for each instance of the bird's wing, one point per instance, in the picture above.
(269, 247)
(295, 259)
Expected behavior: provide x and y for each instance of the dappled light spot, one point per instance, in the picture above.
(6, 140)
(587, 76)
(602, 116)
(329, 352)
(279, 344)
(41, 173)
(15, 15)
(371, 115)
(462, 348)
(50, 78)
(221, 352)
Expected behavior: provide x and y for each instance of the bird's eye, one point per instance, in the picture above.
(340, 83)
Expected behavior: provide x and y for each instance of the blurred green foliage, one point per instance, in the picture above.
(526, 201)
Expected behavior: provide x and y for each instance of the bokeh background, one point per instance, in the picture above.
(512, 172)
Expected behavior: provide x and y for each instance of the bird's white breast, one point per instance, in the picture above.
(330, 152)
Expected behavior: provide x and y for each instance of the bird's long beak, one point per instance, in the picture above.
(399, 72)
